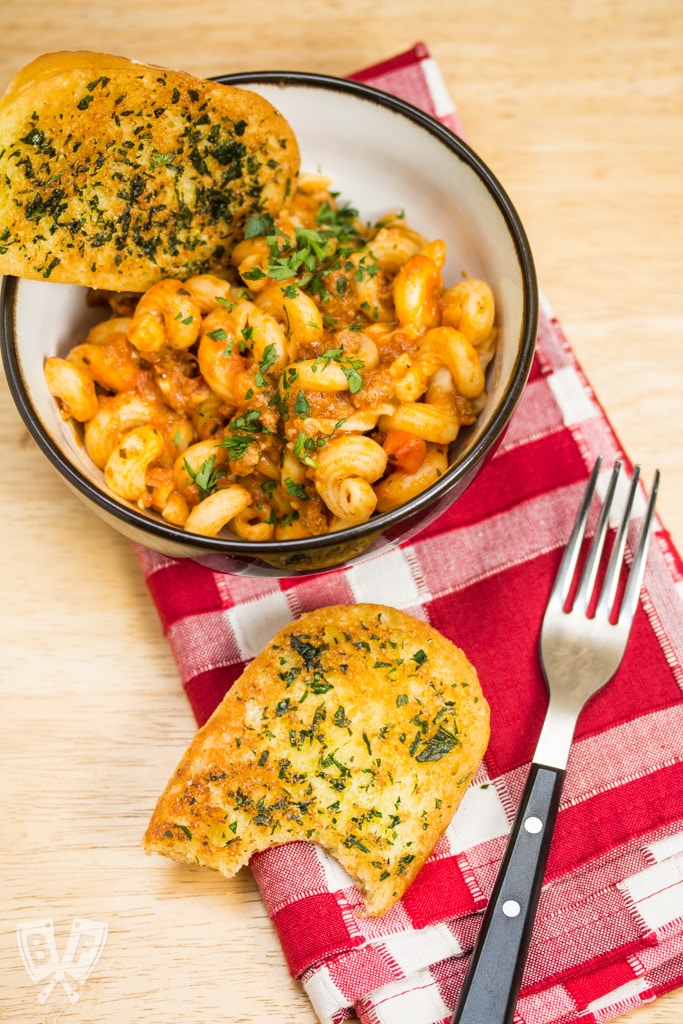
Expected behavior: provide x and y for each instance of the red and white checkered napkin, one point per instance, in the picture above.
(609, 935)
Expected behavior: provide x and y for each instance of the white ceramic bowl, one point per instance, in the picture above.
(382, 154)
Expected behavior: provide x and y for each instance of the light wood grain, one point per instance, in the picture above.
(578, 109)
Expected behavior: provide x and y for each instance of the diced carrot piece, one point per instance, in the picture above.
(404, 450)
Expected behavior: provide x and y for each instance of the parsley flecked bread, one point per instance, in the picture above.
(358, 728)
(114, 174)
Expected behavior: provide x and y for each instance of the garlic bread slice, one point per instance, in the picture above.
(114, 174)
(358, 728)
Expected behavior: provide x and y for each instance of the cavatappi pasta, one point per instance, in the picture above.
(320, 382)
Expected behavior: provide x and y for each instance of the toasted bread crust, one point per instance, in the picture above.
(115, 174)
(358, 728)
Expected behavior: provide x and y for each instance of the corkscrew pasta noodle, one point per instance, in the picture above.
(319, 382)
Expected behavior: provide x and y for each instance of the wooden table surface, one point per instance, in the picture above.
(578, 109)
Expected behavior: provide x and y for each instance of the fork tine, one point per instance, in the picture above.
(635, 578)
(611, 581)
(565, 573)
(587, 582)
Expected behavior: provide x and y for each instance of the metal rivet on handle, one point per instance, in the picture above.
(533, 825)
(511, 908)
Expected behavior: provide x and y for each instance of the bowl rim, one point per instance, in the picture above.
(377, 524)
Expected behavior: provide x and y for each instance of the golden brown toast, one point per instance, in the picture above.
(357, 728)
(114, 174)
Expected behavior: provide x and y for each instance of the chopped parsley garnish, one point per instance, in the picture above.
(340, 719)
(185, 830)
(242, 433)
(367, 267)
(319, 686)
(308, 651)
(295, 490)
(302, 446)
(404, 862)
(301, 405)
(349, 366)
(355, 841)
(206, 477)
(312, 253)
(237, 445)
(250, 420)
(269, 357)
(435, 747)
(261, 224)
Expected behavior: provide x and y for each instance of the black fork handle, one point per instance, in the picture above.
(489, 992)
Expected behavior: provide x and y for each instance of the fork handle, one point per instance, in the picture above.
(489, 992)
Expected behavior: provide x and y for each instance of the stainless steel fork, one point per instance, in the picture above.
(581, 647)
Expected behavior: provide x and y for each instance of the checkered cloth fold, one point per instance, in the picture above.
(609, 934)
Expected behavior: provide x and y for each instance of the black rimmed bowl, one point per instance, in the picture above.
(382, 154)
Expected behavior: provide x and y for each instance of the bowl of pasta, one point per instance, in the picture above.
(327, 391)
